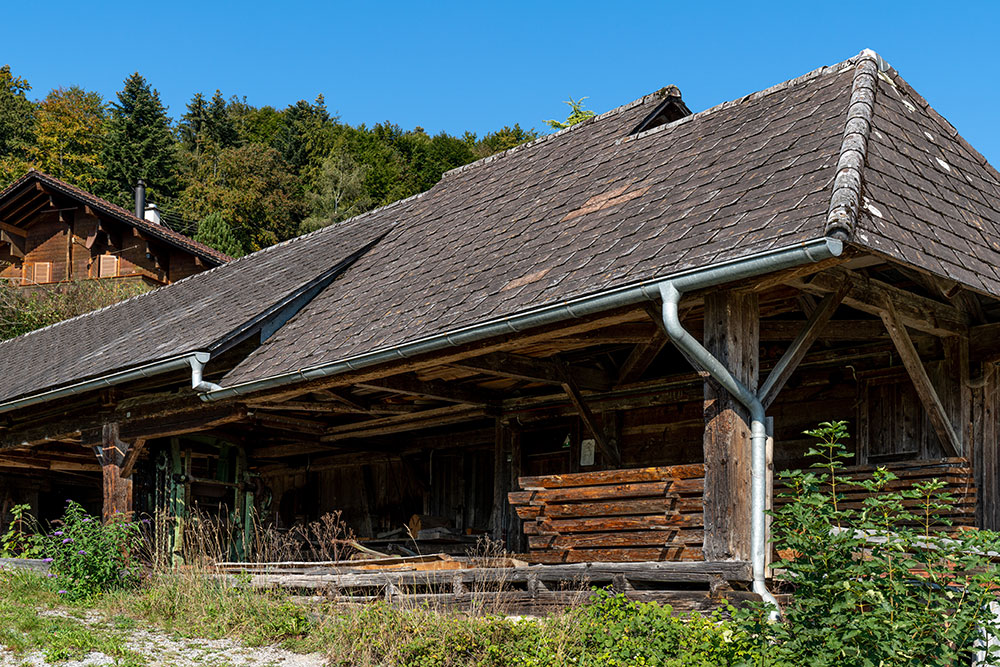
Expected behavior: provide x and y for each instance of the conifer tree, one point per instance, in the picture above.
(138, 144)
(215, 232)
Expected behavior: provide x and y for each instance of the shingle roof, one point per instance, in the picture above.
(588, 209)
(207, 253)
(190, 315)
(582, 211)
(579, 212)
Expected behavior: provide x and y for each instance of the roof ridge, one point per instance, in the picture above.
(819, 71)
(842, 216)
(659, 94)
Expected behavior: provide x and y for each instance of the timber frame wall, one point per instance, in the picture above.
(907, 358)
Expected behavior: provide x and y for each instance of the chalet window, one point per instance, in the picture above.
(43, 272)
(107, 266)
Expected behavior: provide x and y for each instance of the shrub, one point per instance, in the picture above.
(89, 557)
(879, 584)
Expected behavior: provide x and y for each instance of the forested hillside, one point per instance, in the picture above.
(235, 176)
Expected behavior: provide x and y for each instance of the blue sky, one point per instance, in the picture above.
(471, 65)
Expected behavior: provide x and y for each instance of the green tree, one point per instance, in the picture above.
(17, 119)
(577, 115)
(207, 126)
(214, 231)
(503, 139)
(342, 193)
(138, 144)
(69, 134)
(253, 189)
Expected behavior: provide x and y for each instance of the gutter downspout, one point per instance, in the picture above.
(671, 291)
(195, 360)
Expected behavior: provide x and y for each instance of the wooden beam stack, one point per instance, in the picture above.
(641, 514)
(955, 472)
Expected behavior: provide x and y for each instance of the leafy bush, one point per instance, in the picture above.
(19, 540)
(89, 557)
(23, 310)
(879, 584)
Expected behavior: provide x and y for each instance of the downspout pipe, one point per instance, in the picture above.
(198, 361)
(671, 292)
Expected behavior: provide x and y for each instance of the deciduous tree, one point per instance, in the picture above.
(70, 122)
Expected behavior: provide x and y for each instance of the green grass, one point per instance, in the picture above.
(25, 627)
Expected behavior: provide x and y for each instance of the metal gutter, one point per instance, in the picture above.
(193, 360)
(647, 290)
(671, 291)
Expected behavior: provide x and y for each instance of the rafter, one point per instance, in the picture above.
(611, 454)
(520, 367)
(410, 385)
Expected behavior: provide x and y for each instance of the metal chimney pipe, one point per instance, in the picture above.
(140, 199)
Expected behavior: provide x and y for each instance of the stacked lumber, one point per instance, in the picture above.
(956, 473)
(641, 514)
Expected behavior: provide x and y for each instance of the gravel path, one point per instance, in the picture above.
(163, 650)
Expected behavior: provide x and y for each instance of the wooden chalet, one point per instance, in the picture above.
(52, 232)
(594, 347)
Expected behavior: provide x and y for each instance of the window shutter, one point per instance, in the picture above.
(108, 267)
(43, 272)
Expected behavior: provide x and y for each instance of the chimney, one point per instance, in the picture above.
(140, 198)
(152, 214)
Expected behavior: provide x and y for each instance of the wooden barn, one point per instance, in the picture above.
(595, 347)
(52, 232)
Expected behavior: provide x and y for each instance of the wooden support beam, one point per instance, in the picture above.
(984, 343)
(452, 414)
(11, 229)
(796, 352)
(132, 455)
(611, 455)
(731, 325)
(409, 384)
(520, 367)
(117, 489)
(870, 296)
(344, 398)
(624, 334)
(640, 358)
(835, 330)
(936, 412)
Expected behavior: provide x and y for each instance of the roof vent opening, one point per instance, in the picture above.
(670, 109)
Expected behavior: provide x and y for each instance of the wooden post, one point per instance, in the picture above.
(111, 454)
(986, 433)
(515, 536)
(501, 479)
(732, 335)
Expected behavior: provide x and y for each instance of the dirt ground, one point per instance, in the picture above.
(161, 650)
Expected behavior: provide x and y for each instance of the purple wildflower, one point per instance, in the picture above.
(67, 540)
(58, 533)
(50, 575)
(48, 560)
(86, 519)
(82, 552)
(63, 592)
(145, 520)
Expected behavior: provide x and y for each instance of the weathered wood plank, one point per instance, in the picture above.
(598, 477)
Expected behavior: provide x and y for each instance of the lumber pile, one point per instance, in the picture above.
(640, 514)
(956, 473)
